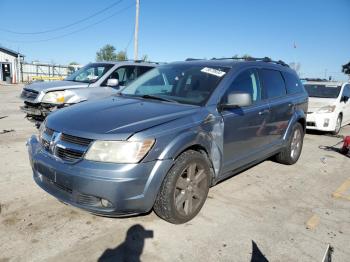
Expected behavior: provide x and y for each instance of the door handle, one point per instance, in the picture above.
(264, 112)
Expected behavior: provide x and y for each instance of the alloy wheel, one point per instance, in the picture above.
(191, 189)
(296, 144)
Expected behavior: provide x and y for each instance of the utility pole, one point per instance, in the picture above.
(136, 37)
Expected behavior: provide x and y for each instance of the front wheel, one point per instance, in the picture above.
(337, 125)
(184, 189)
(291, 153)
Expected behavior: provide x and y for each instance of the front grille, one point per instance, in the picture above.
(66, 147)
(76, 140)
(29, 94)
(68, 154)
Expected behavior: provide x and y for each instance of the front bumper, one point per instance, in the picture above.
(36, 112)
(322, 122)
(127, 188)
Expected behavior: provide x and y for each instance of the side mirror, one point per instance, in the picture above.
(237, 99)
(112, 82)
(344, 99)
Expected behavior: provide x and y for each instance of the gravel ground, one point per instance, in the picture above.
(282, 213)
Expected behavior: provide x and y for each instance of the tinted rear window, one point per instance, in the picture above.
(293, 84)
(273, 83)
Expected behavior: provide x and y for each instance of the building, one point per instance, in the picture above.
(10, 65)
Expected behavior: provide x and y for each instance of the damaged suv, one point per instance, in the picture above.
(94, 81)
(169, 136)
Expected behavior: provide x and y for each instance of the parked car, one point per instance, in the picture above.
(170, 135)
(94, 81)
(329, 105)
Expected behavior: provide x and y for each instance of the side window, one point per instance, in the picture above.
(346, 91)
(273, 83)
(293, 84)
(124, 74)
(247, 82)
(142, 69)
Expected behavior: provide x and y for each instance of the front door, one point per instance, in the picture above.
(245, 128)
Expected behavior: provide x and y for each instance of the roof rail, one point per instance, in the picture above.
(248, 58)
(316, 79)
(193, 59)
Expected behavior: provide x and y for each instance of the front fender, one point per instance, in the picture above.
(210, 140)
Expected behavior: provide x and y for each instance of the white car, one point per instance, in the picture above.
(329, 105)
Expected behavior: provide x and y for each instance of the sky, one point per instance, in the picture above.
(314, 33)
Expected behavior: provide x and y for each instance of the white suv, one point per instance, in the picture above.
(329, 105)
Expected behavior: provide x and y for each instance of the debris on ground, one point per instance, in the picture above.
(1, 117)
(4, 131)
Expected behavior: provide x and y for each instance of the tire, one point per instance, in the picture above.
(187, 183)
(291, 153)
(337, 125)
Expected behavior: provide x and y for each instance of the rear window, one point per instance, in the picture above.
(293, 84)
(273, 83)
(322, 91)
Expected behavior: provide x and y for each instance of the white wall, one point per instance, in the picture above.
(6, 58)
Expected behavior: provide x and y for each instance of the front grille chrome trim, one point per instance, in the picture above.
(63, 146)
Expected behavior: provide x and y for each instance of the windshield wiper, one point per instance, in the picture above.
(158, 98)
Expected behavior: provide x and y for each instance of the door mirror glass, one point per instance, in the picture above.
(344, 99)
(237, 99)
(112, 82)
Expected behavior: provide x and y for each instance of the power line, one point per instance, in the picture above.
(73, 32)
(65, 26)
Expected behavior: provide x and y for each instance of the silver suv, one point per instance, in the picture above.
(93, 81)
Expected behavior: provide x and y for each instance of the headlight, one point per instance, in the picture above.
(326, 109)
(119, 151)
(54, 97)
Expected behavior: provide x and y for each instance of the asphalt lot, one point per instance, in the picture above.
(282, 213)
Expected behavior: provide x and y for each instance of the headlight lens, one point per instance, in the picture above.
(119, 151)
(54, 97)
(326, 109)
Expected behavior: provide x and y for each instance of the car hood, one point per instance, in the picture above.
(316, 103)
(115, 118)
(54, 86)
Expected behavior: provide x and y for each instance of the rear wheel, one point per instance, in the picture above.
(337, 125)
(291, 153)
(184, 189)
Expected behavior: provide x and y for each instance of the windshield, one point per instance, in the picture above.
(89, 73)
(182, 83)
(322, 91)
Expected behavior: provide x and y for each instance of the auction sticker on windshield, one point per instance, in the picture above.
(213, 71)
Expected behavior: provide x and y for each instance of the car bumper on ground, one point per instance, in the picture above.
(102, 188)
(322, 122)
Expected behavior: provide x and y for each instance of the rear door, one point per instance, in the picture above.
(281, 105)
(245, 127)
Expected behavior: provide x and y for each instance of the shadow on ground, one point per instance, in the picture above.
(132, 247)
(257, 255)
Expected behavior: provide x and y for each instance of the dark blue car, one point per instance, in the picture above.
(169, 136)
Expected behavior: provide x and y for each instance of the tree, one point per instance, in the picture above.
(72, 66)
(346, 69)
(106, 53)
(145, 58)
(122, 56)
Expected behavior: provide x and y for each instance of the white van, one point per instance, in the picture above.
(329, 105)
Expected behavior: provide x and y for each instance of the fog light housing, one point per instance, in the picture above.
(105, 203)
(326, 122)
